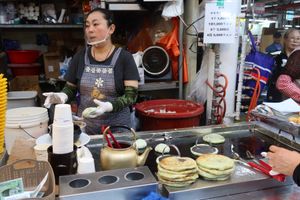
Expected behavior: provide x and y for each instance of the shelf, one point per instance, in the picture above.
(51, 26)
(159, 86)
(124, 7)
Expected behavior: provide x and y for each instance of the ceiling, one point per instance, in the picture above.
(280, 5)
(275, 7)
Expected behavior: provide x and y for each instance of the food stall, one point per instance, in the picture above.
(132, 173)
(171, 155)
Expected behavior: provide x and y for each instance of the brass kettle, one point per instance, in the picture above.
(125, 157)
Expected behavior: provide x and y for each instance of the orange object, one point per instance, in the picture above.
(170, 43)
(256, 93)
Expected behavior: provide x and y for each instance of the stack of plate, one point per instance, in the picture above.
(215, 167)
(3, 102)
(177, 171)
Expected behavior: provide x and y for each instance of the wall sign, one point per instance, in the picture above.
(220, 22)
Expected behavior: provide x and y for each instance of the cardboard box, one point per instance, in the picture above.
(25, 83)
(51, 65)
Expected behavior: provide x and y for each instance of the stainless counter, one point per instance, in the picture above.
(290, 192)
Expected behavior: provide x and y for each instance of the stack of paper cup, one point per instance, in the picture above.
(62, 129)
(41, 152)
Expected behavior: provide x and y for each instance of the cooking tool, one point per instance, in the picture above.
(199, 149)
(258, 164)
(112, 137)
(266, 168)
(279, 122)
(162, 156)
(272, 172)
(238, 158)
(127, 156)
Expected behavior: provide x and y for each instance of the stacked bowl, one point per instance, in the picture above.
(24, 62)
(3, 102)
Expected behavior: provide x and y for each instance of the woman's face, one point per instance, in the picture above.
(293, 40)
(96, 27)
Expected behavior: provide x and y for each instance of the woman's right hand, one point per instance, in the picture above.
(283, 160)
(54, 98)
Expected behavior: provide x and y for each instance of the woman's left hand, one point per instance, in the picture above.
(93, 112)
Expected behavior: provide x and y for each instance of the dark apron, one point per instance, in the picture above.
(98, 82)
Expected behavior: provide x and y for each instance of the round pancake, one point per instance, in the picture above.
(217, 172)
(171, 176)
(190, 177)
(162, 148)
(184, 173)
(213, 138)
(215, 161)
(205, 174)
(175, 163)
(175, 183)
(217, 179)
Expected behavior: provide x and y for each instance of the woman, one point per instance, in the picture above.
(106, 77)
(288, 83)
(290, 43)
(285, 161)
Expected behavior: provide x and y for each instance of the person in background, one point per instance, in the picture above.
(290, 42)
(276, 45)
(106, 77)
(288, 83)
(285, 162)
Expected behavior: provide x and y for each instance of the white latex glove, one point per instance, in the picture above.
(54, 98)
(92, 112)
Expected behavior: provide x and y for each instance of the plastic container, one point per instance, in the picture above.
(26, 122)
(25, 69)
(32, 175)
(168, 114)
(18, 99)
(23, 56)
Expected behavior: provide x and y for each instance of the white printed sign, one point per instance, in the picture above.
(220, 23)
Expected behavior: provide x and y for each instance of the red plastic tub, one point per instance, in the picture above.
(23, 56)
(25, 69)
(168, 114)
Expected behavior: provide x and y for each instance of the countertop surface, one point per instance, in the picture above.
(291, 192)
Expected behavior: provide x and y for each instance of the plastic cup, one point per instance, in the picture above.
(62, 138)
(86, 165)
(62, 114)
(81, 124)
(40, 151)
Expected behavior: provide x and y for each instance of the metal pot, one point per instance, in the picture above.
(124, 157)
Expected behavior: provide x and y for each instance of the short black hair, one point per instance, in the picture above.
(277, 35)
(108, 15)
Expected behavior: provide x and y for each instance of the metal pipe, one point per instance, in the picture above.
(242, 67)
(229, 57)
(215, 82)
(210, 79)
(180, 60)
(191, 13)
(241, 77)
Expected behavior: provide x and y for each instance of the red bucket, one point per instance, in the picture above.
(168, 114)
(23, 56)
